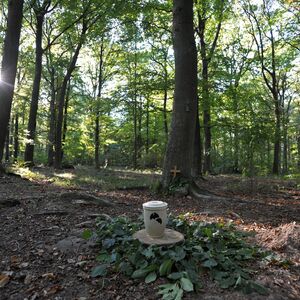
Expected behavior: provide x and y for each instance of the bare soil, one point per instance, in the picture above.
(42, 254)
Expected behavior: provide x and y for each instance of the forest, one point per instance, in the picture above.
(95, 85)
(107, 105)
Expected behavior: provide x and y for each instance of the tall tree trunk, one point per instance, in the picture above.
(277, 139)
(65, 122)
(16, 137)
(135, 129)
(147, 126)
(165, 109)
(197, 164)
(9, 65)
(180, 148)
(97, 120)
(61, 105)
(29, 150)
(7, 152)
(51, 133)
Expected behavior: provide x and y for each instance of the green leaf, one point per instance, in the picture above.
(140, 273)
(179, 294)
(175, 275)
(87, 234)
(151, 277)
(100, 270)
(209, 263)
(186, 284)
(165, 268)
(107, 243)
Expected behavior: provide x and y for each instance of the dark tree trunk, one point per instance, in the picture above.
(65, 126)
(9, 65)
(29, 150)
(147, 126)
(97, 120)
(135, 128)
(298, 149)
(16, 137)
(7, 152)
(61, 102)
(277, 139)
(51, 133)
(165, 109)
(180, 148)
(197, 164)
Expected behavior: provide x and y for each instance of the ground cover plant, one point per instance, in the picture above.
(218, 250)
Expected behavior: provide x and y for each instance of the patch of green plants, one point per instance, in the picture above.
(209, 249)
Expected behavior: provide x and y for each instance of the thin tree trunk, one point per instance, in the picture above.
(7, 152)
(165, 110)
(277, 140)
(51, 133)
(65, 125)
(197, 164)
(9, 65)
(61, 102)
(180, 148)
(29, 150)
(147, 126)
(16, 137)
(97, 120)
(135, 150)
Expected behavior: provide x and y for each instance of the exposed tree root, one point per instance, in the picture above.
(84, 196)
(201, 194)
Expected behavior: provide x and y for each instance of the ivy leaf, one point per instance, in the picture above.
(151, 277)
(140, 273)
(107, 243)
(209, 263)
(100, 270)
(175, 275)
(186, 284)
(165, 268)
(179, 294)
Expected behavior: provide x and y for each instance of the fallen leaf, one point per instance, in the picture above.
(4, 279)
(53, 289)
(49, 276)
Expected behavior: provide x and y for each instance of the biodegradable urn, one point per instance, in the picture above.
(155, 218)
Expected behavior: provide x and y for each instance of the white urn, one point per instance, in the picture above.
(155, 218)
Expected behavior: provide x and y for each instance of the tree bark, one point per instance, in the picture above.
(97, 120)
(61, 101)
(29, 150)
(180, 148)
(197, 164)
(9, 65)
(16, 137)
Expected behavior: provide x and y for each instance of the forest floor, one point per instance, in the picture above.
(42, 254)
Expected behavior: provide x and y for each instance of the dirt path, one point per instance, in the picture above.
(42, 254)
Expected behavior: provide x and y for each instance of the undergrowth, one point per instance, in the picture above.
(214, 249)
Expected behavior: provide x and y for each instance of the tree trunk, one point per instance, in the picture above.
(61, 105)
(7, 154)
(97, 120)
(197, 164)
(51, 133)
(9, 65)
(147, 126)
(65, 125)
(165, 109)
(29, 150)
(16, 137)
(277, 139)
(180, 148)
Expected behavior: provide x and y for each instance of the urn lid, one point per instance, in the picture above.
(155, 205)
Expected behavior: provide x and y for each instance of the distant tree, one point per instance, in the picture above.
(9, 65)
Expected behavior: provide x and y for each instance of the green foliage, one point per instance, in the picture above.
(214, 248)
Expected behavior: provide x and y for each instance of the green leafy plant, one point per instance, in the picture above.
(209, 248)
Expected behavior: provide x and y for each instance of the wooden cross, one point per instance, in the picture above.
(175, 171)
